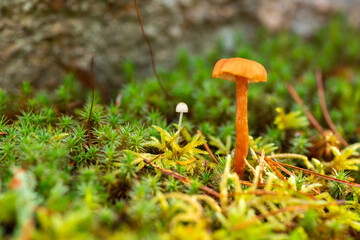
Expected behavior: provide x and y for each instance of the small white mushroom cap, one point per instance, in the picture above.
(182, 107)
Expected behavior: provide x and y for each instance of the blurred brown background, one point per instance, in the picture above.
(41, 40)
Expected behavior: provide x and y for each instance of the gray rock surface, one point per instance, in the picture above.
(41, 40)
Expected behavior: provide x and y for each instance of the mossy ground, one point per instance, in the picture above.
(60, 181)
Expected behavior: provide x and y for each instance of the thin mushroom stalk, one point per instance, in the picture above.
(179, 126)
(242, 130)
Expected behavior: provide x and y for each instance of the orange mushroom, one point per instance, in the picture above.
(241, 71)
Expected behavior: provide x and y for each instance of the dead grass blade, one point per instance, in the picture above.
(299, 101)
(320, 87)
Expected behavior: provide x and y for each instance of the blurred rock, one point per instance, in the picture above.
(41, 40)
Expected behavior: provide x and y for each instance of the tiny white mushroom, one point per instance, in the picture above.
(181, 108)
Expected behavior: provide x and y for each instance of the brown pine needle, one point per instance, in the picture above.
(314, 173)
(283, 210)
(183, 179)
(208, 149)
(321, 175)
(151, 55)
(274, 165)
(277, 172)
(277, 164)
(299, 101)
(320, 87)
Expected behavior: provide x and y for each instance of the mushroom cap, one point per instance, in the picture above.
(232, 68)
(181, 107)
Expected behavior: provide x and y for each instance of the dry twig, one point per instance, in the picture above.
(151, 54)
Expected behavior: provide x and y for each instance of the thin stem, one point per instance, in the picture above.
(151, 55)
(324, 110)
(299, 101)
(242, 131)
(179, 127)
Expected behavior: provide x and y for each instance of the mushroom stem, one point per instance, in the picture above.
(179, 127)
(242, 131)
